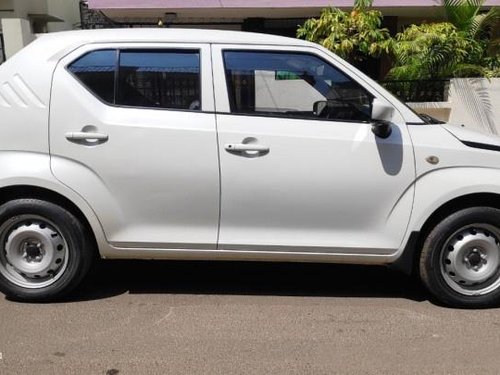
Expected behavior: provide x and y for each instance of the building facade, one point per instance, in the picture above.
(280, 17)
(21, 20)
(442, 99)
(270, 16)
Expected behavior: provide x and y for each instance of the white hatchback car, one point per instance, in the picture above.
(195, 144)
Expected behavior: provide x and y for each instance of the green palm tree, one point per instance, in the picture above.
(461, 47)
(480, 26)
(467, 17)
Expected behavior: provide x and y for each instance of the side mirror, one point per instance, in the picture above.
(318, 107)
(381, 118)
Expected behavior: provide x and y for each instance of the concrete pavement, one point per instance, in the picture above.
(246, 318)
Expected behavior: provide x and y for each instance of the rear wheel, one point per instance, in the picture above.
(44, 250)
(460, 260)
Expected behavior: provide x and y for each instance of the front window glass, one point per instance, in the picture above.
(288, 84)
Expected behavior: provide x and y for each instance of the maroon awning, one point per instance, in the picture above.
(189, 4)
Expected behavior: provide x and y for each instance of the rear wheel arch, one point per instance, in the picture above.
(12, 192)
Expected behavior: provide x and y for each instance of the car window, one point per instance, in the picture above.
(158, 78)
(163, 79)
(288, 84)
(96, 70)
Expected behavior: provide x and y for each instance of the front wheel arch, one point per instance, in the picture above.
(460, 259)
(409, 259)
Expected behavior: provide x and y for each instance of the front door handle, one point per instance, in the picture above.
(246, 147)
(86, 136)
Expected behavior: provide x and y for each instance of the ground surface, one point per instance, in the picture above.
(246, 318)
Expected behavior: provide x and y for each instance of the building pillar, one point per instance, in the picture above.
(16, 34)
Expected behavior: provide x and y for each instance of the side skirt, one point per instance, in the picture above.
(244, 255)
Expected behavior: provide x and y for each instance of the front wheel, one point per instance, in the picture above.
(460, 260)
(44, 250)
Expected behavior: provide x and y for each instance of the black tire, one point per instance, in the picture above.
(75, 245)
(452, 235)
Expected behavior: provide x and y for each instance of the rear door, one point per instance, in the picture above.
(132, 130)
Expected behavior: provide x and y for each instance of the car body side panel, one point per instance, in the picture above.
(461, 170)
(24, 101)
(328, 186)
(155, 181)
(25, 83)
(33, 169)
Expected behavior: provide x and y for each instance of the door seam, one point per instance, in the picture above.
(218, 147)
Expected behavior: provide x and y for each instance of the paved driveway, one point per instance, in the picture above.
(246, 318)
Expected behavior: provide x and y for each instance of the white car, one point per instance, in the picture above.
(215, 145)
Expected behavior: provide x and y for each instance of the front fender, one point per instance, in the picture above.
(433, 190)
(439, 186)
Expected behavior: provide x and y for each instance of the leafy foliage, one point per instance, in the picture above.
(462, 47)
(353, 35)
(431, 51)
(466, 16)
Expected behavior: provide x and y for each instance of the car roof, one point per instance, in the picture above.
(44, 53)
(167, 35)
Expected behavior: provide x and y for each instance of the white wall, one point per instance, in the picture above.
(476, 103)
(271, 94)
(472, 102)
(16, 34)
(23, 7)
(16, 26)
(67, 10)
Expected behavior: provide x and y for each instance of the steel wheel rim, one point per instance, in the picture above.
(34, 253)
(470, 260)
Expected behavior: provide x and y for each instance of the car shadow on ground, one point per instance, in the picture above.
(111, 278)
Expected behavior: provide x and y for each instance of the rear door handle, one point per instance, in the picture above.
(86, 137)
(246, 147)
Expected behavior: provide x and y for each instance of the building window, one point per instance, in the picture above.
(96, 70)
(160, 79)
(288, 84)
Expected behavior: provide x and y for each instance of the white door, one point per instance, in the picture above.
(301, 169)
(132, 130)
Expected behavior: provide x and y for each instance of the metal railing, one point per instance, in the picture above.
(419, 91)
(94, 19)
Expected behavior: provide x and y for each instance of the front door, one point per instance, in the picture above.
(301, 169)
(132, 130)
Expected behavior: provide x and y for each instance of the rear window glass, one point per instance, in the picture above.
(96, 70)
(142, 78)
(164, 79)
